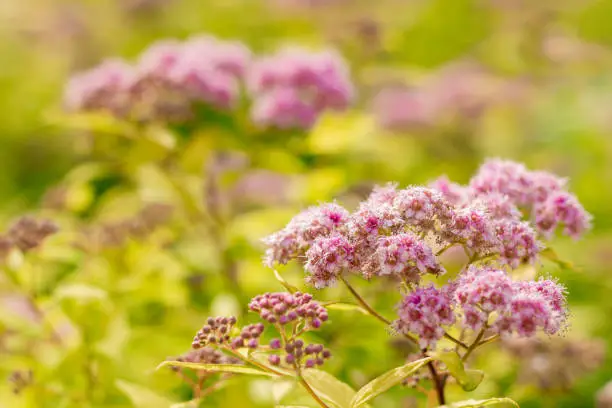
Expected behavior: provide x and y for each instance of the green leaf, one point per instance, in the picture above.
(221, 368)
(194, 403)
(141, 396)
(92, 121)
(481, 403)
(329, 388)
(382, 383)
(467, 379)
(552, 256)
(347, 307)
(285, 284)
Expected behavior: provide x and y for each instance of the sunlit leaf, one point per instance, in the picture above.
(481, 403)
(291, 406)
(389, 379)
(221, 368)
(283, 282)
(141, 396)
(329, 388)
(468, 379)
(94, 122)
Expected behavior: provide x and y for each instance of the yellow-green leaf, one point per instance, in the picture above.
(389, 379)
(468, 379)
(481, 403)
(329, 388)
(141, 396)
(283, 282)
(221, 368)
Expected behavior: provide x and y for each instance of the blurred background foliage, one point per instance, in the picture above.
(93, 320)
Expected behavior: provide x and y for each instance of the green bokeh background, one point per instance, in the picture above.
(149, 308)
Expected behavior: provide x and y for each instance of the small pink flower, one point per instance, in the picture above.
(326, 259)
(423, 312)
(562, 208)
(403, 255)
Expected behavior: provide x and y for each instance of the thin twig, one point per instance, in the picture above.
(456, 341)
(312, 393)
(438, 383)
(371, 310)
(474, 344)
(364, 304)
(489, 340)
(254, 362)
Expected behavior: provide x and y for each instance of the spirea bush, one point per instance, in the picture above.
(192, 150)
(502, 221)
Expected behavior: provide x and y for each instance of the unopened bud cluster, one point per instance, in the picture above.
(289, 314)
(295, 353)
(289, 308)
(216, 331)
(26, 234)
(116, 233)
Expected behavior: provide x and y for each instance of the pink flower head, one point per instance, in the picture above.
(420, 207)
(103, 87)
(300, 85)
(518, 243)
(302, 230)
(527, 314)
(472, 227)
(327, 258)
(505, 177)
(497, 206)
(205, 84)
(403, 255)
(551, 291)
(369, 222)
(283, 108)
(400, 108)
(454, 193)
(229, 57)
(423, 312)
(543, 184)
(381, 195)
(160, 58)
(562, 208)
(485, 288)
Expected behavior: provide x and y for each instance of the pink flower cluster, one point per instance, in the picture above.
(460, 90)
(293, 87)
(168, 78)
(289, 90)
(403, 255)
(503, 187)
(520, 307)
(300, 233)
(423, 312)
(398, 232)
(483, 297)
